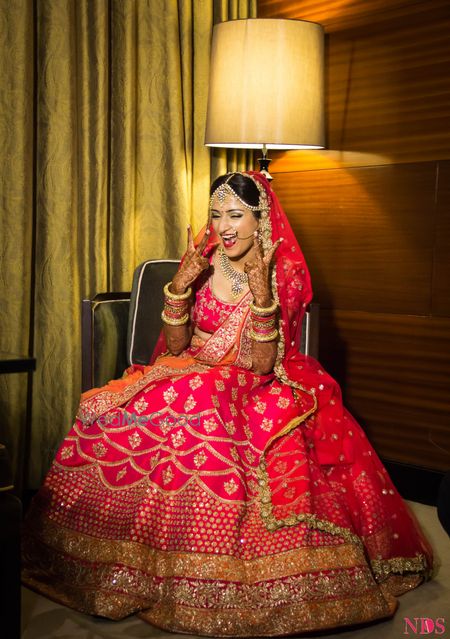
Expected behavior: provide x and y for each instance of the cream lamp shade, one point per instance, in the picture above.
(266, 85)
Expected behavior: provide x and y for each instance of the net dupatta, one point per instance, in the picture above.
(291, 289)
(291, 282)
(312, 387)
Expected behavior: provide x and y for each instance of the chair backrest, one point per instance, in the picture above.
(146, 305)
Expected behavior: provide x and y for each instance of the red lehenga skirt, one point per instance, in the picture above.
(161, 501)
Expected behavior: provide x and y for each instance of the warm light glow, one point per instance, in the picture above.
(266, 85)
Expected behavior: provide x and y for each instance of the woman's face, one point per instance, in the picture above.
(235, 225)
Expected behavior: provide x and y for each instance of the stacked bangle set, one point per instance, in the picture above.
(263, 323)
(176, 307)
(176, 313)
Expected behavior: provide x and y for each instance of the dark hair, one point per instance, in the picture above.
(243, 186)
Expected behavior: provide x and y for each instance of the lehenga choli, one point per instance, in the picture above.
(215, 501)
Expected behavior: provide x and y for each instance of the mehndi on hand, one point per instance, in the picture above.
(193, 264)
(258, 271)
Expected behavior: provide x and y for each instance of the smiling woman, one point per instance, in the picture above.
(269, 513)
(234, 221)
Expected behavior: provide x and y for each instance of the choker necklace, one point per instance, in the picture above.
(238, 279)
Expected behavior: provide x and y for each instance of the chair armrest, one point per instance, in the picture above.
(104, 338)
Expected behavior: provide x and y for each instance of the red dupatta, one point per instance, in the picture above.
(291, 288)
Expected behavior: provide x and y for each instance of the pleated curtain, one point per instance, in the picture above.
(102, 165)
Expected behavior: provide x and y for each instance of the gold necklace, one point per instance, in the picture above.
(238, 279)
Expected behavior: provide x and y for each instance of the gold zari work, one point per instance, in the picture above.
(288, 590)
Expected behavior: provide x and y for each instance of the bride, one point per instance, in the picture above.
(223, 489)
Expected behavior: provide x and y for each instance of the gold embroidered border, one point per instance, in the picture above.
(398, 585)
(199, 565)
(271, 522)
(96, 602)
(244, 354)
(382, 568)
(243, 621)
(276, 621)
(91, 408)
(78, 580)
(309, 518)
(265, 493)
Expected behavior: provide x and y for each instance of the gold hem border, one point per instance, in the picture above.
(198, 565)
(244, 621)
(276, 621)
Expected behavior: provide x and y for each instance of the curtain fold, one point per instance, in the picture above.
(103, 164)
(16, 218)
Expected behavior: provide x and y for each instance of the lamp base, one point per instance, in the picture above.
(264, 165)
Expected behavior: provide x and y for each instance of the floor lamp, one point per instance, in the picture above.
(266, 88)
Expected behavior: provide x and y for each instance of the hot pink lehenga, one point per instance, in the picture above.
(215, 501)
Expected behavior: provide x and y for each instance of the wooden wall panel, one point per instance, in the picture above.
(367, 234)
(388, 89)
(380, 116)
(441, 274)
(395, 373)
(340, 15)
(372, 212)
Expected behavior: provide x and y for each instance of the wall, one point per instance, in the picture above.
(372, 214)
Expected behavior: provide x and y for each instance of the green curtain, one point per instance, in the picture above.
(17, 140)
(102, 166)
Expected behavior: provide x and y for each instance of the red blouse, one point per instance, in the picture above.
(209, 311)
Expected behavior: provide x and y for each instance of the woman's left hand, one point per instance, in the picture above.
(258, 272)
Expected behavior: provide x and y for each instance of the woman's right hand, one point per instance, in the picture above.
(193, 264)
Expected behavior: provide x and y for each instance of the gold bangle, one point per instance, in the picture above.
(179, 309)
(174, 296)
(267, 324)
(175, 322)
(264, 338)
(175, 303)
(263, 311)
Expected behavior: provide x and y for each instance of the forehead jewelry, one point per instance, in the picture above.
(223, 191)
